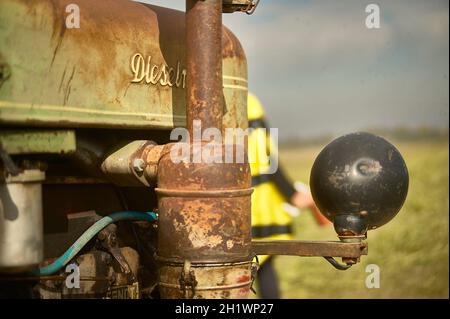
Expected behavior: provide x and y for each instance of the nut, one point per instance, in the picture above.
(138, 165)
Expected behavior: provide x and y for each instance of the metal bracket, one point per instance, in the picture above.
(349, 251)
(310, 248)
(254, 271)
(336, 264)
(109, 242)
(117, 254)
(252, 7)
(247, 6)
(187, 279)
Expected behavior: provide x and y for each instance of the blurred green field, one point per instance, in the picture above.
(411, 251)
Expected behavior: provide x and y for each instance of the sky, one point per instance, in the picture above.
(319, 70)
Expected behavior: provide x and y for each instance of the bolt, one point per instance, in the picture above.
(102, 235)
(112, 238)
(138, 165)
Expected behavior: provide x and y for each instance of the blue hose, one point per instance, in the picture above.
(88, 235)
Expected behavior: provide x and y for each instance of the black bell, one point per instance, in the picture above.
(359, 181)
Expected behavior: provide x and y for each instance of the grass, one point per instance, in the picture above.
(411, 251)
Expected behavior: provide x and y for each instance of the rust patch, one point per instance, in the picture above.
(231, 47)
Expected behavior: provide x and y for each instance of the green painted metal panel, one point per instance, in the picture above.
(38, 141)
(51, 75)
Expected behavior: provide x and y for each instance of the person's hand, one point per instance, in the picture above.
(302, 200)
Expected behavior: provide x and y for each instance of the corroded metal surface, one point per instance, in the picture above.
(204, 211)
(247, 6)
(126, 165)
(204, 218)
(126, 68)
(100, 277)
(96, 76)
(309, 248)
(204, 203)
(204, 63)
(38, 141)
(187, 280)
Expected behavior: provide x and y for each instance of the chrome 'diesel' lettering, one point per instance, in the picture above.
(156, 74)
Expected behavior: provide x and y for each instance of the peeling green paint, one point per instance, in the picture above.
(38, 141)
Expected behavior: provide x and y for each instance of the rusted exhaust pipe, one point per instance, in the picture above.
(204, 244)
(204, 63)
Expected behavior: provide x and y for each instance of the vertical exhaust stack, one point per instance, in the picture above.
(204, 97)
(204, 244)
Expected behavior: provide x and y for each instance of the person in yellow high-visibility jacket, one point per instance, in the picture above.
(272, 196)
